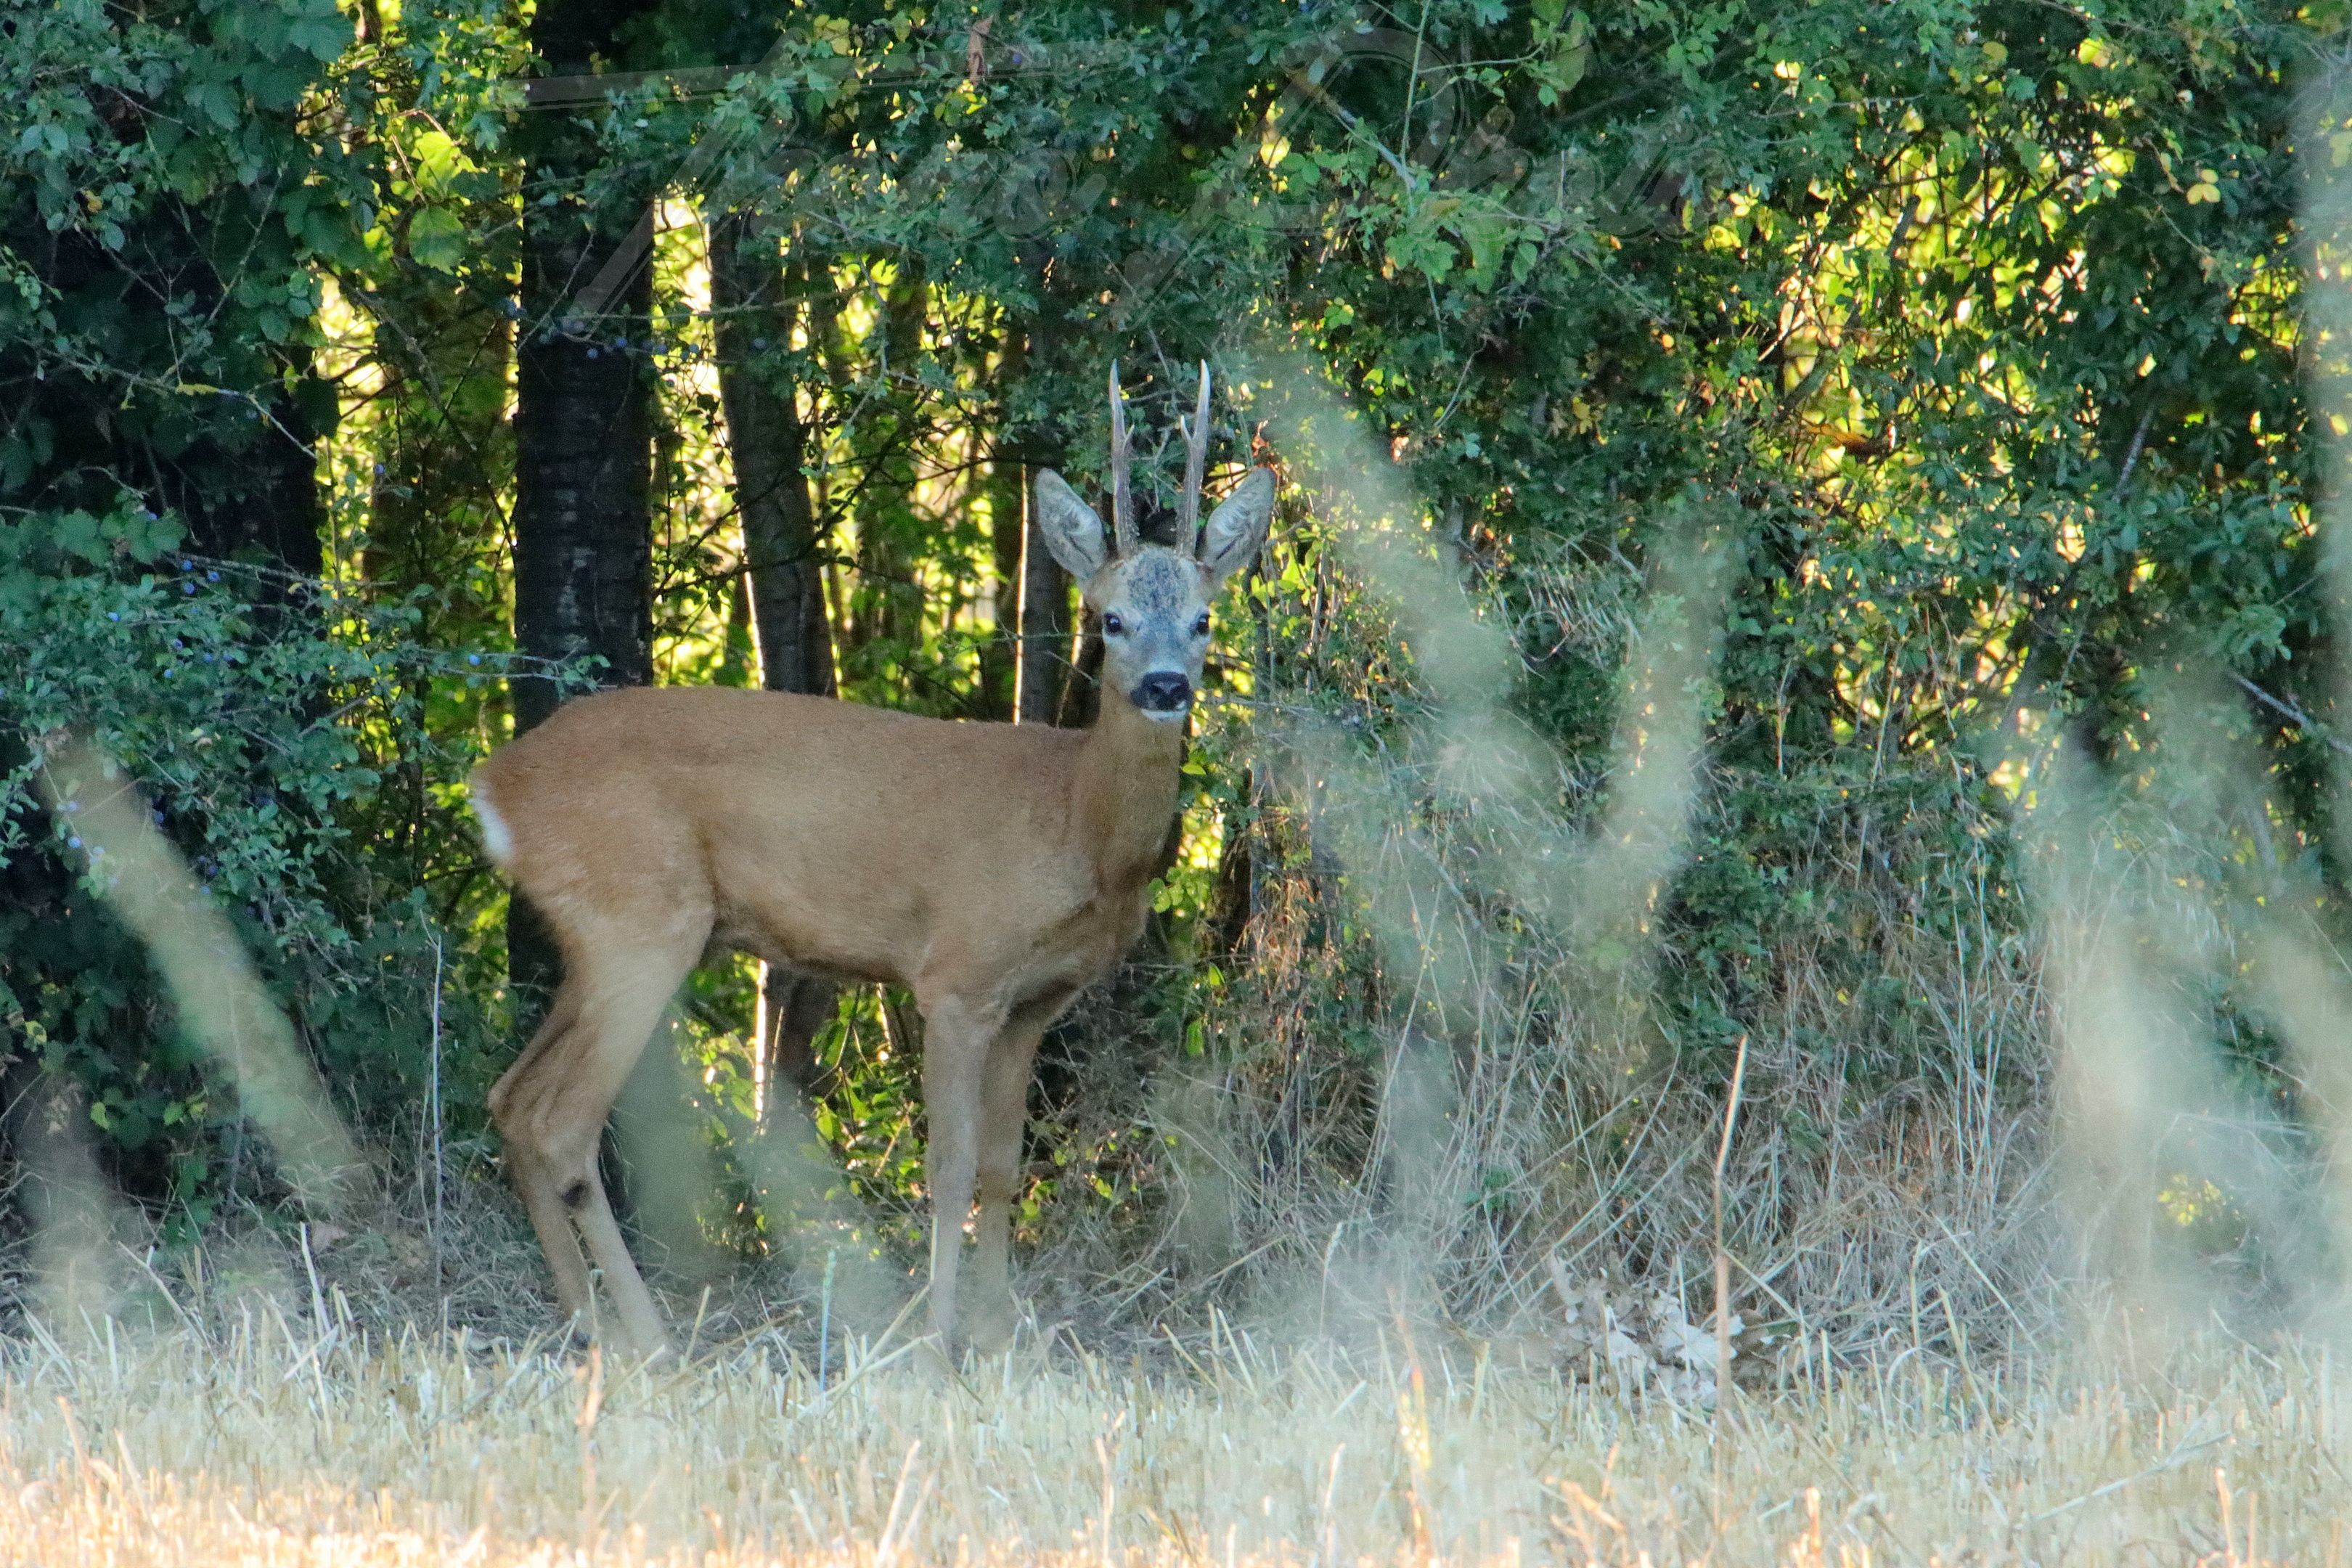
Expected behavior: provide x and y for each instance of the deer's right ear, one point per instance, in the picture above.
(1073, 532)
(1237, 530)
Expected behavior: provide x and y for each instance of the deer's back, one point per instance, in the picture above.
(823, 834)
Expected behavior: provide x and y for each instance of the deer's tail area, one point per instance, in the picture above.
(495, 839)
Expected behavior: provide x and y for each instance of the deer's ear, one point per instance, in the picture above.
(1238, 527)
(1073, 532)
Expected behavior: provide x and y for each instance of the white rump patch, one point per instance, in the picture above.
(495, 836)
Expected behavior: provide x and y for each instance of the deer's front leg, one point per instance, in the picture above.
(956, 1038)
(1004, 1119)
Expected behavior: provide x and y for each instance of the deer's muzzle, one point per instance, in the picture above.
(1162, 693)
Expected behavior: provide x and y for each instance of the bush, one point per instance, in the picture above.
(276, 729)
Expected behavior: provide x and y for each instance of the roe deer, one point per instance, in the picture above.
(993, 869)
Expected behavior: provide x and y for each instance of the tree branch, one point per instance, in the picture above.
(2281, 705)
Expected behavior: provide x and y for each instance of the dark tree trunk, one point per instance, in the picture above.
(583, 464)
(583, 448)
(253, 493)
(753, 310)
(1041, 680)
(782, 542)
(1044, 671)
(270, 505)
(583, 443)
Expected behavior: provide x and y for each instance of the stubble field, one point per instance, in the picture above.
(260, 1434)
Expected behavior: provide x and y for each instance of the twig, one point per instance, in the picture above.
(2302, 718)
(317, 1301)
(1723, 1277)
(2131, 454)
(433, 1102)
(2177, 1458)
(590, 1379)
(901, 1521)
(825, 1322)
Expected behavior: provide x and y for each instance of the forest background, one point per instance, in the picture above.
(1799, 550)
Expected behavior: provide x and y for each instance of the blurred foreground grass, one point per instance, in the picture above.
(279, 1437)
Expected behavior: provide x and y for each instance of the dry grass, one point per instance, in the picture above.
(262, 1437)
(1346, 1138)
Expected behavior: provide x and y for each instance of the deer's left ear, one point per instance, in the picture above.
(1238, 527)
(1073, 532)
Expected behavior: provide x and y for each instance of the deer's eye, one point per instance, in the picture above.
(1113, 625)
(1200, 627)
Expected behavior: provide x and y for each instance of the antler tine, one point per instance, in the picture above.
(1122, 501)
(1196, 462)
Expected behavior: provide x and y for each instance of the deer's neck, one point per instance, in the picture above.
(1129, 771)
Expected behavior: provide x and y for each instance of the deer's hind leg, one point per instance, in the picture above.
(551, 1107)
(534, 1182)
(795, 1009)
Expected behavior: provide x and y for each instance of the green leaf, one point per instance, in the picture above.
(77, 533)
(438, 159)
(145, 535)
(322, 35)
(218, 103)
(1572, 55)
(436, 239)
(1422, 252)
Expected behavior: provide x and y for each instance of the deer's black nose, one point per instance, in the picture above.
(1162, 691)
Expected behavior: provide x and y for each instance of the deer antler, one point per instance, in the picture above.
(1196, 461)
(1122, 502)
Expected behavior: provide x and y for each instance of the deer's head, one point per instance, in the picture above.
(1153, 601)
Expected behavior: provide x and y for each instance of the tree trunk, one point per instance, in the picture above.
(1041, 675)
(583, 447)
(752, 310)
(260, 498)
(584, 441)
(782, 542)
(584, 539)
(1044, 669)
(284, 515)
(1000, 657)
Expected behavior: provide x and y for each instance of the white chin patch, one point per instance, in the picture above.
(1166, 716)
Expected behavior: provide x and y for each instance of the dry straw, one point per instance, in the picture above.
(245, 1436)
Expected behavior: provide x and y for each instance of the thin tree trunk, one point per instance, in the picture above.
(1045, 621)
(739, 663)
(752, 310)
(1000, 660)
(1041, 675)
(782, 542)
